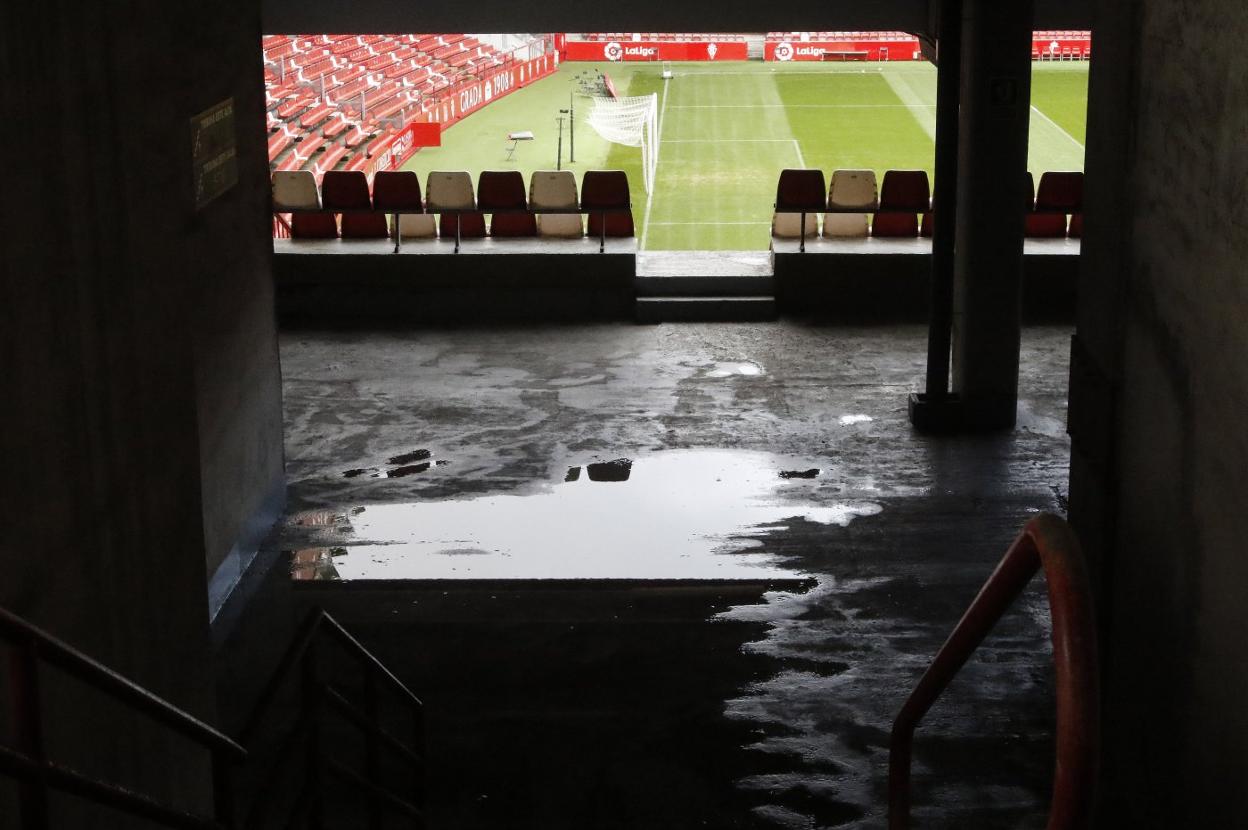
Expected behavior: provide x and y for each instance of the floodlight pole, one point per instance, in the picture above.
(559, 151)
(572, 127)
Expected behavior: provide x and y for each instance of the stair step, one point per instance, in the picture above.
(703, 286)
(705, 308)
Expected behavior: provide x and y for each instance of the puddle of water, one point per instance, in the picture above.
(423, 459)
(747, 369)
(849, 420)
(669, 515)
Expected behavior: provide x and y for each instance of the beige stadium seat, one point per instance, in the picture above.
(850, 189)
(295, 190)
(555, 189)
(445, 191)
(789, 225)
(418, 225)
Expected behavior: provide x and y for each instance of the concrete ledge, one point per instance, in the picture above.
(888, 280)
(341, 281)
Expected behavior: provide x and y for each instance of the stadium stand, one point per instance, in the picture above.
(335, 101)
(657, 37)
(904, 194)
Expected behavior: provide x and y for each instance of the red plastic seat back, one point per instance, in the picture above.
(801, 189)
(1039, 223)
(502, 190)
(605, 189)
(902, 190)
(471, 225)
(345, 190)
(397, 190)
(1062, 191)
(619, 225)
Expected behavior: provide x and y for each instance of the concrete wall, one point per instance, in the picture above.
(137, 358)
(576, 16)
(1160, 479)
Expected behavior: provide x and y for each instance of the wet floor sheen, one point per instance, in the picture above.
(677, 514)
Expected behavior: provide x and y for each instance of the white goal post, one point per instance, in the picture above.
(633, 122)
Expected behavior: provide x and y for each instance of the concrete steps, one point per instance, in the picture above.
(704, 286)
(705, 309)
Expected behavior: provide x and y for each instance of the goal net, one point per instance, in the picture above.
(633, 122)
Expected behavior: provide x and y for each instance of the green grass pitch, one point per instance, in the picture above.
(727, 129)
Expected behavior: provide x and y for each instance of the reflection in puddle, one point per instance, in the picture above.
(407, 468)
(725, 370)
(848, 420)
(618, 470)
(669, 515)
(813, 472)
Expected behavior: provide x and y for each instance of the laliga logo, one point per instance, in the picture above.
(613, 51)
(784, 51)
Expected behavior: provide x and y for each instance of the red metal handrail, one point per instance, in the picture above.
(1046, 542)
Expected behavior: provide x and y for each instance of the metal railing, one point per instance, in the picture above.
(1046, 542)
(37, 775)
(318, 695)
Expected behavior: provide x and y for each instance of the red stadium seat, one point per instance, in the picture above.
(1041, 225)
(504, 190)
(1076, 226)
(902, 190)
(801, 190)
(1058, 195)
(346, 190)
(471, 225)
(1061, 190)
(607, 189)
(313, 226)
(397, 190)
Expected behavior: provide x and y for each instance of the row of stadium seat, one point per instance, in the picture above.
(550, 208)
(896, 206)
(331, 97)
(661, 37)
(805, 37)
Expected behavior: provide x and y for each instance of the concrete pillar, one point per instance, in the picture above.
(992, 159)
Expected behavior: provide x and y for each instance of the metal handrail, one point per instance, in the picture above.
(36, 774)
(1045, 542)
(316, 693)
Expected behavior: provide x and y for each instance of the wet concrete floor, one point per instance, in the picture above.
(671, 576)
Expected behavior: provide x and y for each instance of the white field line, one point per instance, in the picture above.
(712, 223)
(1058, 127)
(924, 113)
(723, 140)
(801, 160)
(654, 183)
